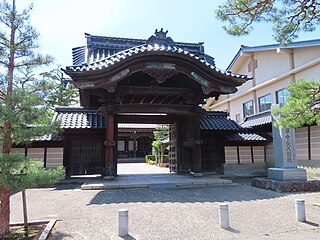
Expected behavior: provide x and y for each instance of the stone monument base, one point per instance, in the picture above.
(286, 186)
(284, 174)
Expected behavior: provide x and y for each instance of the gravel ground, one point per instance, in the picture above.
(179, 213)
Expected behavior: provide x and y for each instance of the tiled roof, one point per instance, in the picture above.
(258, 119)
(99, 47)
(148, 49)
(248, 137)
(48, 138)
(102, 53)
(79, 118)
(218, 121)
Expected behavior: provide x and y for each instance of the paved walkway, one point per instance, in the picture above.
(141, 175)
(140, 168)
(153, 181)
(171, 214)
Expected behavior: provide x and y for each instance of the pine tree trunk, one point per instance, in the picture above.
(5, 192)
(4, 210)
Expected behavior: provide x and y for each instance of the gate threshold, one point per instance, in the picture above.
(154, 181)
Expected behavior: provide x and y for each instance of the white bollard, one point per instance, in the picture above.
(300, 210)
(224, 215)
(123, 223)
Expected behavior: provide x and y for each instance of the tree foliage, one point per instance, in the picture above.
(302, 107)
(19, 172)
(23, 104)
(161, 133)
(289, 17)
(59, 93)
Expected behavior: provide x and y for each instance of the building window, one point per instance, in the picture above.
(131, 145)
(282, 96)
(120, 145)
(238, 118)
(248, 108)
(265, 103)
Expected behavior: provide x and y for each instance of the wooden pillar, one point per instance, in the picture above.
(108, 170)
(193, 142)
(196, 146)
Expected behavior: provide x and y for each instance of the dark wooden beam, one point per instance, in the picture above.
(164, 99)
(152, 101)
(161, 119)
(165, 91)
(155, 108)
(142, 100)
(138, 135)
(173, 100)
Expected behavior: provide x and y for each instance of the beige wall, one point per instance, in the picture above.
(305, 54)
(311, 73)
(301, 135)
(270, 65)
(315, 142)
(37, 153)
(231, 156)
(54, 155)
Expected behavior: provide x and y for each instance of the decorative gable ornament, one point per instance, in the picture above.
(160, 37)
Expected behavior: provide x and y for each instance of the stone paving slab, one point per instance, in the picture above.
(154, 180)
(172, 213)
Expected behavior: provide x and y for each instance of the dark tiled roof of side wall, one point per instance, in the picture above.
(79, 118)
(258, 119)
(218, 121)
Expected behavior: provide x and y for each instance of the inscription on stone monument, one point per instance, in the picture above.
(288, 147)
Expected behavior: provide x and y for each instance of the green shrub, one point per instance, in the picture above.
(166, 159)
(150, 158)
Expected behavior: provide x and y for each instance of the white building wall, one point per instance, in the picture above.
(312, 73)
(303, 55)
(270, 65)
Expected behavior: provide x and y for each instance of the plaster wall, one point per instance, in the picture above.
(305, 54)
(311, 73)
(270, 65)
(249, 84)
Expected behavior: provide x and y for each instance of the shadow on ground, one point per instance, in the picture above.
(228, 193)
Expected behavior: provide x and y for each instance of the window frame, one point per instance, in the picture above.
(121, 143)
(261, 109)
(285, 96)
(238, 117)
(244, 108)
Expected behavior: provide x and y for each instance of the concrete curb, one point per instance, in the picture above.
(101, 186)
(45, 233)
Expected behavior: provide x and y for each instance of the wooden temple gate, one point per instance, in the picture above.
(150, 81)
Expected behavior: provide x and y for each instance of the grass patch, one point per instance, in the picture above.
(18, 232)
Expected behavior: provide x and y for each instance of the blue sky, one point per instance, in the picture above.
(62, 24)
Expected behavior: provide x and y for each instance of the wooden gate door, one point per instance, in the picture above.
(173, 147)
(86, 156)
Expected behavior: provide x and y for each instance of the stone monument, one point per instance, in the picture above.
(284, 148)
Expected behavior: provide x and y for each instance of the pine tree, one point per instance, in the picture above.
(22, 103)
(289, 17)
(302, 107)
